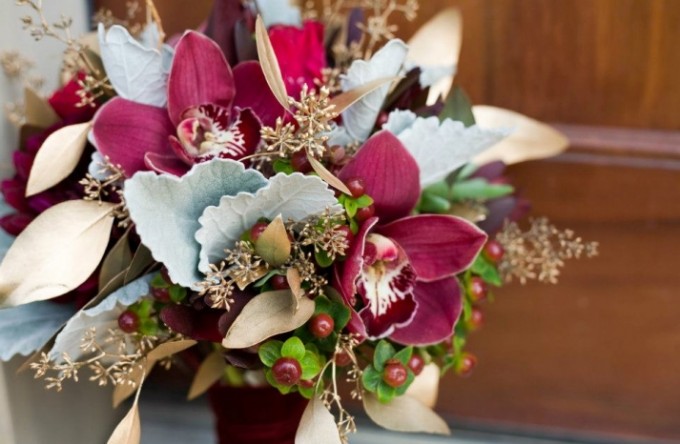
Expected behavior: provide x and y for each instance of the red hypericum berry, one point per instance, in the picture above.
(494, 251)
(161, 294)
(383, 117)
(395, 374)
(307, 383)
(477, 289)
(257, 230)
(300, 162)
(128, 321)
(287, 371)
(466, 365)
(356, 187)
(280, 282)
(363, 214)
(338, 154)
(322, 325)
(343, 359)
(416, 364)
(476, 319)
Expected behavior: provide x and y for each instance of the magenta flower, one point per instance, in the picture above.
(212, 112)
(403, 267)
(301, 54)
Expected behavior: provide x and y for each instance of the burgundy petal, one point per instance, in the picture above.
(23, 162)
(353, 264)
(199, 75)
(437, 246)
(439, 307)
(253, 92)
(125, 131)
(390, 174)
(166, 163)
(221, 25)
(14, 192)
(15, 223)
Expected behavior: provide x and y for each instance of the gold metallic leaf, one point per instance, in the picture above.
(425, 388)
(58, 157)
(266, 315)
(273, 245)
(38, 111)
(349, 98)
(116, 261)
(210, 371)
(529, 140)
(317, 425)
(168, 349)
(438, 43)
(295, 283)
(327, 176)
(56, 253)
(269, 63)
(404, 414)
(121, 392)
(129, 430)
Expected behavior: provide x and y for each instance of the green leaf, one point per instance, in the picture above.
(467, 310)
(293, 348)
(430, 203)
(479, 189)
(177, 293)
(383, 352)
(458, 107)
(159, 282)
(364, 201)
(270, 352)
(487, 271)
(385, 392)
(322, 259)
(404, 355)
(283, 166)
(311, 365)
(351, 207)
(440, 189)
(338, 311)
(466, 171)
(371, 378)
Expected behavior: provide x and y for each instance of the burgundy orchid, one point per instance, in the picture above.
(301, 54)
(212, 112)
(403, 267)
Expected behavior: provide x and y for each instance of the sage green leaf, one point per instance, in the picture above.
(293, 348)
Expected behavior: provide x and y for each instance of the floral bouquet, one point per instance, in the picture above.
(283, 203)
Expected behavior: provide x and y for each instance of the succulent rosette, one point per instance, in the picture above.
(280, 202)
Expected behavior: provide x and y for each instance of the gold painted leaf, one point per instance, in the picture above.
(58, 157)
(349, 98)
(269, 63)
(317, 425)
(169, 348)
(425, 388)
(273, 245)
(404, 414)
(141, 260)
(327, 176)
(295, 283)
(266, 315)
(438, 43)
(121, 392)
(38, 111)
(116, 261)
(56, 253)
(129, 430)
(210, 371)
(530, 139)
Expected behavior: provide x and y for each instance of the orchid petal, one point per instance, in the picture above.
(164, 163)
(222, 25)
(390, 175)
(252, 91)
(200, 75)
(165, 210)
(348, 275)
(439, 307)
(125, 131)
(439, 148)
(437, 246)
(292, 196)
(137, 73)
(360, 119)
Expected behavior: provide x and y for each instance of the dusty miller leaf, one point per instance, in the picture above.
(56, 253)
(26, 328)
(404, 414)
(292, 196)
(137, 73)
(317, 425)
(166, 210)
(439, 148)
(279, 12)
(266, 315)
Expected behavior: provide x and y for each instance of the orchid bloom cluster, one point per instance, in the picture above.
(241, 211)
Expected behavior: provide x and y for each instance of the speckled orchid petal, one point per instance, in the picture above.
(386, 285)
(200, 75)
(439, 307)
(125, 131)
(253, 92)
(390, 175)
(437, 246)
(348, 272)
